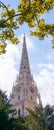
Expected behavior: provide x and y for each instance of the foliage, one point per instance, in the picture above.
(4, 111)
(49, 117)
(8, 122)
(4, 108)
(41, 118)
(4, 102)
(29, 11)
(20, 123)
(8, 25)
(32, 11)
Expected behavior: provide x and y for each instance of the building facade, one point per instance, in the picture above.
(25, 92)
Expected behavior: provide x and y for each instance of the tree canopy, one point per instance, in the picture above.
(41, 118)
(8, 122)
(29, 11)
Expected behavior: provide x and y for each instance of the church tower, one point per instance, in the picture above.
(24, 93)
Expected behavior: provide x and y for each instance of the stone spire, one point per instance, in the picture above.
(25, 92)
(24, 59)
(24, 66)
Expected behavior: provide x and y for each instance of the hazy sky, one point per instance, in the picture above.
(41, 57)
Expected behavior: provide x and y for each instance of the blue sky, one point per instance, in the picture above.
(41, 57)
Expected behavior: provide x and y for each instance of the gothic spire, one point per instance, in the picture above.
(25, 92)
(24, 67)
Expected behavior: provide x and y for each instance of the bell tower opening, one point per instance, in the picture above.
(19, 112)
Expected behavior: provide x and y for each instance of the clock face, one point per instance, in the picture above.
(31, 89)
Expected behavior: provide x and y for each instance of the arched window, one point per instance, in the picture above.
(18, 97)
(24, 67)
(19, 112)
(31, 98)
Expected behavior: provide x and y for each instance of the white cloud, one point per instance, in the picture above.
(9, 62)
(49, 66)
(7, 67)
(45, 81)
(50, 56)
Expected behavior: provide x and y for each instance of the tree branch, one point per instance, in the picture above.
(29, 3)
(12, 17)
(5, 7)
(1, 3)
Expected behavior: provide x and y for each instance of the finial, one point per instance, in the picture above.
(24, 38)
